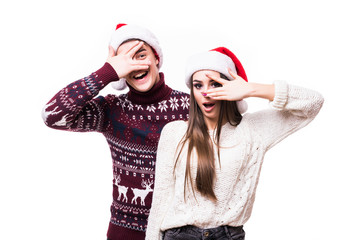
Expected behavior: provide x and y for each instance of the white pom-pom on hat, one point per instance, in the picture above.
(120, 84)
(242, 106)
(220, 60)
(126, 32)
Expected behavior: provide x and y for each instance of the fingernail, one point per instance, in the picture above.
(204, 94)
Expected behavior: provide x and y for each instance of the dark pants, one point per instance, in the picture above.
(195, 233)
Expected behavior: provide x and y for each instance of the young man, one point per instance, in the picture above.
(131, 122)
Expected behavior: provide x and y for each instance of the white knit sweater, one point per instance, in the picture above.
(242, 150)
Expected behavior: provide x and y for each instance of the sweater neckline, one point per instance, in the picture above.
(158, 92)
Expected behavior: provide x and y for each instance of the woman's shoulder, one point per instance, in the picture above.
(176, 126)
(173, 131)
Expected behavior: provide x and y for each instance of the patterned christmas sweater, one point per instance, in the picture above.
(131, 124)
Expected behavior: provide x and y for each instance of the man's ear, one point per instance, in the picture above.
(157, 62)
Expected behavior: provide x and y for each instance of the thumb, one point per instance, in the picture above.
(111, 52)
(234, 75)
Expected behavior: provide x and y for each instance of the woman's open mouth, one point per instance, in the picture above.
(208, 106)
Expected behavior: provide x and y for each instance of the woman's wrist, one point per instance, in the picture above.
(266, 91)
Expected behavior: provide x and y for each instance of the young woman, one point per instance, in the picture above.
(208, 168)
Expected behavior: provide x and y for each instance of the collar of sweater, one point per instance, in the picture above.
(157, 93)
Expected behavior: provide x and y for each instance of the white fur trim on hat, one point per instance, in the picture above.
(127, 32)
(211, 60)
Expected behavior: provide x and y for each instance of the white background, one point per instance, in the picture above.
(57, 185)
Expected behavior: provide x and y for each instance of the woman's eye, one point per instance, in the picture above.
(197, 86)
(216, 84)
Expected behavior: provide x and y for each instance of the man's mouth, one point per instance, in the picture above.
(140, 75)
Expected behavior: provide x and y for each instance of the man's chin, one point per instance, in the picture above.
(144, 87)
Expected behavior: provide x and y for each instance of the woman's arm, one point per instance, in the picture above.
(292, 107)
(266, 91)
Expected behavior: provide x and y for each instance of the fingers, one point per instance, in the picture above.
(111, 52)
(215, 92)
(143, 64)
(131, 48)
(134, 48)
(215, 96)
(234, 75)
(217, 79)
(140, 65)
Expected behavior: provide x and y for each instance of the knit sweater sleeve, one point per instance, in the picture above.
(292, 109)
(164, 180)
(75, 107)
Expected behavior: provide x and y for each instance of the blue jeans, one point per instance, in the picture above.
(195, 233)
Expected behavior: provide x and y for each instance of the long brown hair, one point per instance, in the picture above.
(198, 138)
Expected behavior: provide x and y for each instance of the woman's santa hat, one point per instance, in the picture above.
(124, 32)
(220, 60)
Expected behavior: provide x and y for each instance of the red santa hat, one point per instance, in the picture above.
(220, 60)
(124, 32)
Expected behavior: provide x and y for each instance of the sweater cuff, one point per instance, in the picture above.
(281, 95)
(107, 74)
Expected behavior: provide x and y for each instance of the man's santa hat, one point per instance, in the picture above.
(220, 60)
(124, 32)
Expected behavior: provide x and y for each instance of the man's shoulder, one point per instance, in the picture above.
(179, 93)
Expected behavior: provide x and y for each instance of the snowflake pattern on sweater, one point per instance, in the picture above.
(132, 130)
